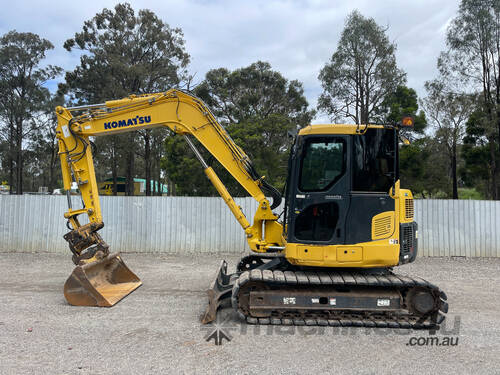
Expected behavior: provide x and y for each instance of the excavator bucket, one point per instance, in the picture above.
(100, 283)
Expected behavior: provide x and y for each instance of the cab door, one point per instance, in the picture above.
(374, 172)
(318, 193)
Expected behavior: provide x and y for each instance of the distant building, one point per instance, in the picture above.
(106, 186)
(4, 188)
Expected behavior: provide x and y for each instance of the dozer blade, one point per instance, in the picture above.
(100, 283)
(220, 289)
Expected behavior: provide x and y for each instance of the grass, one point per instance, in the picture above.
(469, 193)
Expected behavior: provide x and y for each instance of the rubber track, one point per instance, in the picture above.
(291, 278)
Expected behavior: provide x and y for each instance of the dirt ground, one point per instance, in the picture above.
(156, 329)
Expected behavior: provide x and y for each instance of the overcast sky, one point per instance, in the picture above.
(296, 37)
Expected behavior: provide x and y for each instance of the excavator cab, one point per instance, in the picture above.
(338, 182)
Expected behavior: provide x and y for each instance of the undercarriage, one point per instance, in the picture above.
(272, 291)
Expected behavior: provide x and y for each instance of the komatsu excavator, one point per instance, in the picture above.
(327, 261)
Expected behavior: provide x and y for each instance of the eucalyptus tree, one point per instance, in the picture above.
(24, 98)
(258, 106)
(472, 58)
(123, 53)
(361, 73)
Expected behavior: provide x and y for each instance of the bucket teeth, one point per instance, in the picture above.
(101, 283)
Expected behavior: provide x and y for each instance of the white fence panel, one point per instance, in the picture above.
(32, 223)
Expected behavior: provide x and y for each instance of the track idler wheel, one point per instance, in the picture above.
(422, 301)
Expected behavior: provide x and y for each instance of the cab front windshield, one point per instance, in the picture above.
(323, 163)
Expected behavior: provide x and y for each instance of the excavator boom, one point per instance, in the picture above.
(101, 279)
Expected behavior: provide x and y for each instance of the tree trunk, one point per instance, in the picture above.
(147, 161)
(10, 162)
(19, 159)
(170, 187)
(154, 182)
(114, 173)
(19, 174)
(494, 182)
(159, 190)
(454, 170)
(52, 166)
(114, 168)
(130, 172)
(493, 170)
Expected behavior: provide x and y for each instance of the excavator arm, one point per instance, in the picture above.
(183, 114)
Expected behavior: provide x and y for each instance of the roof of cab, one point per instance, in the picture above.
(337, 129)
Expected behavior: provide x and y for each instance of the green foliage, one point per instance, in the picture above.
(266, 142)
(472, 62)
(258, 107)
(448, 112)
(476, 153)
(361, 73)
(184, 170)
(424, 170)
(123, 54)
(24, 101)
(469, 193)
(126, 53)
(255, 91)
(400, 103)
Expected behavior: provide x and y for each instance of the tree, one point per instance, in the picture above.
(424, 168)
(473, 58)
(266, 142)
(475, 153)
(24, 97)
(184, 170)
(257, 106)
(122, 54)
(400, 103)
(43, 158)
(448, 112)
(361, 73)
(255, 91)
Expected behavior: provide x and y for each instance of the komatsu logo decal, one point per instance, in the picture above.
(137, 120)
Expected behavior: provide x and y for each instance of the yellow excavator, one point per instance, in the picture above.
(326, 260)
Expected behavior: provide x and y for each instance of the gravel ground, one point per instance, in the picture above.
(156, 329)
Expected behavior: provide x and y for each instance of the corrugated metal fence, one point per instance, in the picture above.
(458, 227)
(32, 223)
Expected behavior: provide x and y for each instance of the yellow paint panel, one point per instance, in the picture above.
(314, 253)
(380, 253)
(406, 210)
(337, 129)
(349, 254)
(383, 225)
